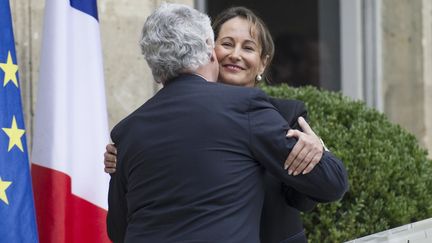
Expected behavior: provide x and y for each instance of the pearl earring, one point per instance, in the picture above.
(258, 77)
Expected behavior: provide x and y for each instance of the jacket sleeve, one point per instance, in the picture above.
(117, 210)
(299, 111)
(327, 182)
(292, 197)
(290, 110)
(298, 200)
(117, 205)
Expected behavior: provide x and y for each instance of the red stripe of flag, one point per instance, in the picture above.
(82, 221)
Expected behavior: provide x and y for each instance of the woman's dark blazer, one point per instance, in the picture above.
(280, 218)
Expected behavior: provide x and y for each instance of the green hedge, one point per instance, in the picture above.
(390, 176)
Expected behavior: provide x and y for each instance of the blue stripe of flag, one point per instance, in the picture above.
(87, 6)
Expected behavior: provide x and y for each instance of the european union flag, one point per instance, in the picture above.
(17, 213)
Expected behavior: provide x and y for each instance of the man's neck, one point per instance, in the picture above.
(208, 71)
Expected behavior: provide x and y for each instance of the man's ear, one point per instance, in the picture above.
(213, 57)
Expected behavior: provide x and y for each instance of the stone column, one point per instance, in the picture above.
(407, 65)
(22, 21)
(427, 73)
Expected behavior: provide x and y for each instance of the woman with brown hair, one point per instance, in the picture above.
(244, 49)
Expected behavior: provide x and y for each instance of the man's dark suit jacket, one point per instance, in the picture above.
(191, 165)
(280, 218)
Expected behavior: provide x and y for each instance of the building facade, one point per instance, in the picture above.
(378, 51)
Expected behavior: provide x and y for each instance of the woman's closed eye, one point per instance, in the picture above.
(227, 44)
(249, 48)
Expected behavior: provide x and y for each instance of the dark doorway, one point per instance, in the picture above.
(306, 36)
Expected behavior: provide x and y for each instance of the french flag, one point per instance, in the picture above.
(71, 127)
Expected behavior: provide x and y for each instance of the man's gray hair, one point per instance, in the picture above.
(175, 39)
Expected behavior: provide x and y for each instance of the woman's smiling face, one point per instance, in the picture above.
(239, 53)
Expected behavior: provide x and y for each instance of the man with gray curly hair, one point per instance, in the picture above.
(177, 39)
(190, 160)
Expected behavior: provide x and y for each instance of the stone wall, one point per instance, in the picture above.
(406, 56)
(128, 79)
(407, 93)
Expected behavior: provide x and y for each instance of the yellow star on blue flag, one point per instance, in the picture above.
(3, 186)
(14, 134)
(10, 71)
(17, 211)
